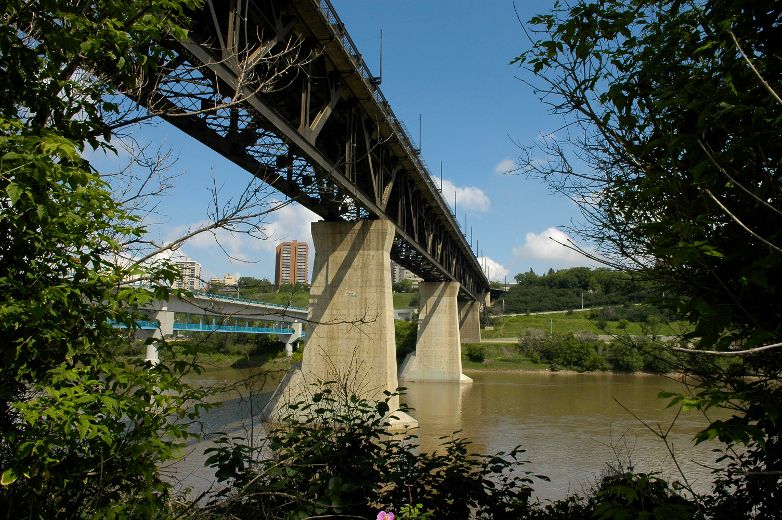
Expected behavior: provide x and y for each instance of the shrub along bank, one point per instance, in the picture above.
(571, 352)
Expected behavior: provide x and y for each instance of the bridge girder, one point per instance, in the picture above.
(279, 88)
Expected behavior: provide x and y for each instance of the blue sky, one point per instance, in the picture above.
(449, 62)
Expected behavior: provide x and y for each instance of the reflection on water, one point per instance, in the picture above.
(570, 425)
(241, 394)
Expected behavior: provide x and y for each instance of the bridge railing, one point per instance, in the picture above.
(141, 324)
(403, 135)
(207, 327)
(246, 300)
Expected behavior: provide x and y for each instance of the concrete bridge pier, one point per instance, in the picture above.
(351, 317)
(438, 350)
(470, 321)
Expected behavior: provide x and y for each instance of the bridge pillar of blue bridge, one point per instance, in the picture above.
(438, 349)
(290, 339)
(351, 317)
(165, 318)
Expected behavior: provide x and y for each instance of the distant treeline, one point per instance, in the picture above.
(564, 289)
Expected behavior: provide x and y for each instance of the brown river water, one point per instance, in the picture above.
(571, 425)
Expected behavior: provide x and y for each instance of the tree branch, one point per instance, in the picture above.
(746, 352)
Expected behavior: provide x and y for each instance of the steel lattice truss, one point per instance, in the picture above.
(279, 88)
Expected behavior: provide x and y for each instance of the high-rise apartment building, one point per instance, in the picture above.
(292, 264)
(189, 274)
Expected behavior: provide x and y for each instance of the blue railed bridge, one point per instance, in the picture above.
(215, 327)
(215, 312)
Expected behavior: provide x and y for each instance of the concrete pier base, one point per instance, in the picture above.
(438, 351)
(351, 318)
(470, 321)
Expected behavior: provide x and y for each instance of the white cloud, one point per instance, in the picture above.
(547, 246)
(494, 270)
(235, 244)
(467, 197)
(505, 166)
(291, 222)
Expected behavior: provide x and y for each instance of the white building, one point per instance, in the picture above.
(399, 273)
(189, 274)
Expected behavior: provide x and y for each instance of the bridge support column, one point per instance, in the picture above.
(166, 328)
(291, 339)
(351, 316)
(438, 350)
(470, 321)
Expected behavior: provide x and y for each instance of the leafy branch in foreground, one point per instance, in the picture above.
(331, 455)
(671, 148)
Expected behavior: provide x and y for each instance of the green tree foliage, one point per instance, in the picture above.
(565, 288)
(82, 433)
(237, 343)
(625, 357)
(566, 351)
(406, 335)
(475, 353)
(624, 354)
(622, 494)
(332, 456)
(676, 118)
(249, 285)
(403, 286)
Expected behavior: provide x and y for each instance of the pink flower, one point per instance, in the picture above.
(382, 515)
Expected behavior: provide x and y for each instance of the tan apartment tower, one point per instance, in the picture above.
(292, 264)
(189, 274)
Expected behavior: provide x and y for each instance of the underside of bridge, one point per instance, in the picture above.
(279, 88)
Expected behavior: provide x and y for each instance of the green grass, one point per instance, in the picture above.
(404, 300)
(500, 356)
(566, 323)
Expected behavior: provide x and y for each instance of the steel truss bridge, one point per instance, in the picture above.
(279, 88)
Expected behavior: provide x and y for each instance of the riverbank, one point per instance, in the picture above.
(499, 358)
(262, 362)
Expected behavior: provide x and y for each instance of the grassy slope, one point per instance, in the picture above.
(296, 299)
(402, 300)
(500, 356)
(564, 323)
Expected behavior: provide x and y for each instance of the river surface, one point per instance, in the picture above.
(571, 425)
